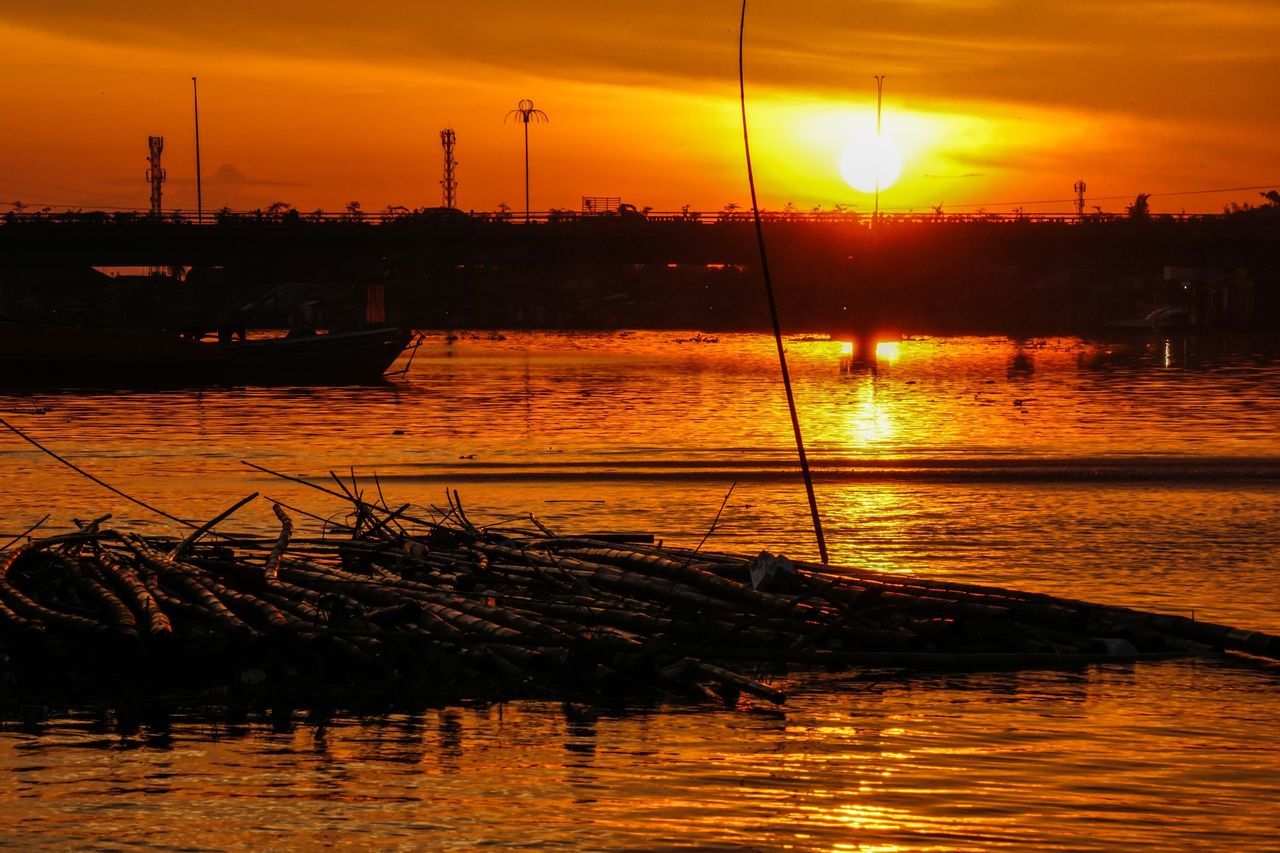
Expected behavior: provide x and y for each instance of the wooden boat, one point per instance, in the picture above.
(35, 355)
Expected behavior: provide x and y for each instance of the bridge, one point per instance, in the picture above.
(727, 237)
(684, 268)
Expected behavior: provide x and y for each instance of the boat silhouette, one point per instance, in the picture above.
(39, 355)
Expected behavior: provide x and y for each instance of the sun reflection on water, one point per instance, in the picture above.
(871, 421)
(887, 351)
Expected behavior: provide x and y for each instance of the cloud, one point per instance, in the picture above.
(1151, 93)
(230, 177)
(1144, 56)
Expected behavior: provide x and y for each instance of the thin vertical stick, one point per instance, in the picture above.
(773, 306)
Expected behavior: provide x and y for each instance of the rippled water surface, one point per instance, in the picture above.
(1143, 473)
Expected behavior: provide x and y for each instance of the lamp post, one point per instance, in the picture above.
(525, 113)
(195, 98)
(879, 150)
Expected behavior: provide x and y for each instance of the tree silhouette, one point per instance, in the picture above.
(1140, 209)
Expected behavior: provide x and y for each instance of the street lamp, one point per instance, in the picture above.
(195, 100)
(879, 150)
(525, 113)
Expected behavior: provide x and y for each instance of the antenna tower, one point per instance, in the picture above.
(450, 182)
(156, 175)
(1079, 188)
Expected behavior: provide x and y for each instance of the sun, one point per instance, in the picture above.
(869, 161)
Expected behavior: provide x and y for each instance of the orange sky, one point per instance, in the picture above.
(319, 103)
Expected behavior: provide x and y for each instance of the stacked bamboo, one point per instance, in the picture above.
(404, 608)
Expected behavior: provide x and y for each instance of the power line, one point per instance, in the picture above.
(45, 186)
(103, 208)
(1205, 192)
(6, 182)
(1111, 197)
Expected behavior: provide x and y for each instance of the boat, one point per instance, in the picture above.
(39, 355)
(1166, 318)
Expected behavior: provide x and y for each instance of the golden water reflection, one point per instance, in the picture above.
(1054, 464)
(1134, 473)
(871, 420)
(888, 351)
(873, 760)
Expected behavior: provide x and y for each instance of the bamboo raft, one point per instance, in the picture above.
(404, 609)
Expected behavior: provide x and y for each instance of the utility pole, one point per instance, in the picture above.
(450, 182)
(525, 113)
(195, 95)
(155, 174)
(879, 101)
(1079, 188)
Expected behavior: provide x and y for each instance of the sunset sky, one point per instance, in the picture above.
(991, 103)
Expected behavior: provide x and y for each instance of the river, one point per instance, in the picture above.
(1140, 473)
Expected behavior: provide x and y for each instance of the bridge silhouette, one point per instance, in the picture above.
(834, 270)
(438, 235)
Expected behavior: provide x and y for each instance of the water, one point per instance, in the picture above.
(1144, 474)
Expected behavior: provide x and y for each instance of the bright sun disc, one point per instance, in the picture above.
(868, 160)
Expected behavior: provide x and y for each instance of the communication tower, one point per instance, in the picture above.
(1079, 188)
(155, 175)
(450, 182)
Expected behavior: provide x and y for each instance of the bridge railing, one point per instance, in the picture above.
(556, 216)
